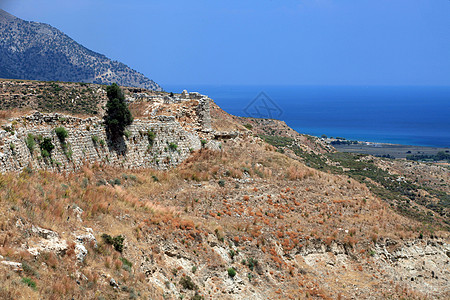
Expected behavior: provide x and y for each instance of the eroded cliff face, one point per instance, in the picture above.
(417, 265)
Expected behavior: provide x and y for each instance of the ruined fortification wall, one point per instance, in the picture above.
(88, 143)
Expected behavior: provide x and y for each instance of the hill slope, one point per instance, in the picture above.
(239, 220)
(37, 51)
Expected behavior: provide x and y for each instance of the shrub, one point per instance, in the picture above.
(221, 183)
(117, 115)
(95, 139)
(204, 142)
(187, 283)
(47, 147)
(231, 272)
(151, 137)
(116, 242)
(30, 282)
(62, 134)
(173, 146)
(251, 263)
(248, 126)
(12, 146)
(127, 133)
(30, 142)
(126, 264)
(197, 297)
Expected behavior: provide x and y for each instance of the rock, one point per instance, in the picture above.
(50, 242)
(185, 94)
(113, 283)
(44, 233)
(80, 252)
(86, 236)
(78, 212)
(81, 238)
(14, 265)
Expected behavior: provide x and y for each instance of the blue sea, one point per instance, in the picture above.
(400, 115)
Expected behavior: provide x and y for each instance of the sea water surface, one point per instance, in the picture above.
(400, 115)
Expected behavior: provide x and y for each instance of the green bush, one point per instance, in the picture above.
(30, 142)
(62, 134)
(30, 282)
(173, 146)
(187, 283)
(95, 139)
(116, 242)
(117, 115)
(231, 272)
(197, 297)
(151, 137)
(47, 147)
(252, 263)
(126, 264)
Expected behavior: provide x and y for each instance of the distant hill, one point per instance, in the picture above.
(37, 51)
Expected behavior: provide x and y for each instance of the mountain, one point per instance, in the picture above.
(37, 51)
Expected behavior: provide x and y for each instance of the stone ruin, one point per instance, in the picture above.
(87, 140)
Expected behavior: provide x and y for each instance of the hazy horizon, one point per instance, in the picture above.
(311, 42)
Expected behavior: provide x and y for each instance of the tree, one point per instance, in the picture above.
(117, 116)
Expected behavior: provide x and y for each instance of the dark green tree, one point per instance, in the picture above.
(117, 116)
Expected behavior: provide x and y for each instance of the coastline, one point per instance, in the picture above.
(386, 149)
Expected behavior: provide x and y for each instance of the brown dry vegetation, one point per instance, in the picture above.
(290, 231)
(268, 208)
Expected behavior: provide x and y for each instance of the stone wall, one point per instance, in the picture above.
(88, 142)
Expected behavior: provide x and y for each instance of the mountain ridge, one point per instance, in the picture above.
(38, 51)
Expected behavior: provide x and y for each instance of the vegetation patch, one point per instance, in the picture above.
(187, 283)
(29, 282)
(116, 242)
(46, 147)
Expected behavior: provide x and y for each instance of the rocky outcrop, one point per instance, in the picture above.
(49, 241)
(421, 265)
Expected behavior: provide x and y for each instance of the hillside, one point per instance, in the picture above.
(233, 212)
(37, 51)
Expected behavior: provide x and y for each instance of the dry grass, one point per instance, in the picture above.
(268, 207)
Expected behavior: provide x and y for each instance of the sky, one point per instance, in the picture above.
(261, 42)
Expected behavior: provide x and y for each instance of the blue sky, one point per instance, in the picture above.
(279, 42)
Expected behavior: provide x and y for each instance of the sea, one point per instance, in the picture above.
(408, 115)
